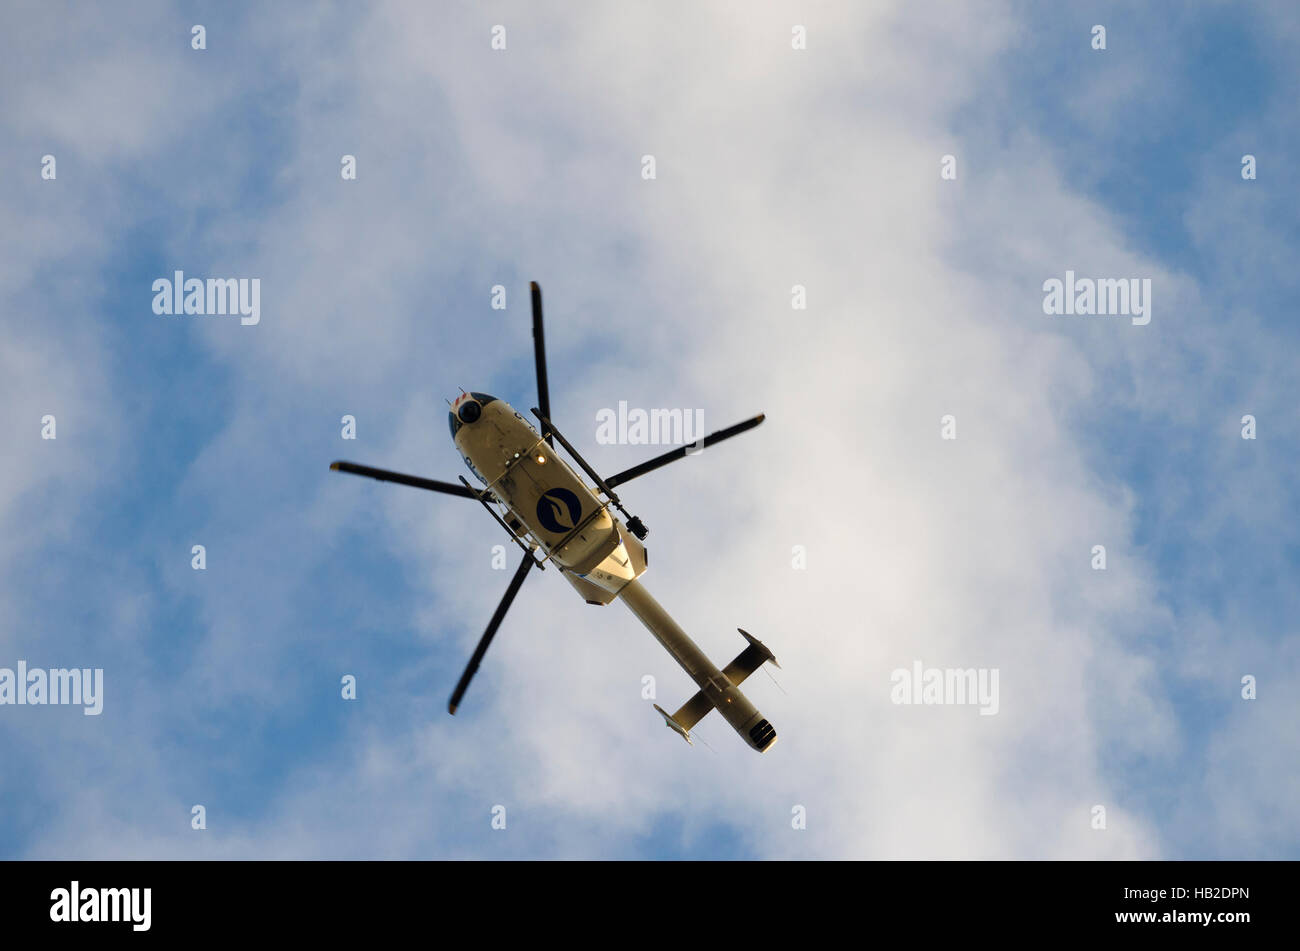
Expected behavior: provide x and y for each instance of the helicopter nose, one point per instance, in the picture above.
(466, 412)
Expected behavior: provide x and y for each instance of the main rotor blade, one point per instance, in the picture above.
(384, 475)
(680, 453)
(539, 356)
(493, 624)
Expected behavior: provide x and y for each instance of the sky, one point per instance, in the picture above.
(1146, 710)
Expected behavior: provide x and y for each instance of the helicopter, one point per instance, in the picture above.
(555, 517)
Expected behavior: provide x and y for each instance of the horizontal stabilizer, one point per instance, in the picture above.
(675, 726)
(748, 660)
(693, 710)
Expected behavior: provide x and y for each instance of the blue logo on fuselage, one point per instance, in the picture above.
(555, 507)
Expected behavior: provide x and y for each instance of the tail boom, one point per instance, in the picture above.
(718, 689)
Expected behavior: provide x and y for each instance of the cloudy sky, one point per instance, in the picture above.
(775, 166)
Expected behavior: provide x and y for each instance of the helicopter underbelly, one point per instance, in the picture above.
(547, 497)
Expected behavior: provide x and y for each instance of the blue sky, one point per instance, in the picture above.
(775, 167)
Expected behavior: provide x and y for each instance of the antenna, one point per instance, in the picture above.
(774, 680)
(697, 736)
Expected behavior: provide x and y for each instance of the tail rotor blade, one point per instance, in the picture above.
(539, 355)
(515, 583)
(682, 451)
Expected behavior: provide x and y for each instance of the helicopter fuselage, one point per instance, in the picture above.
(550, 507)
(546, 501)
